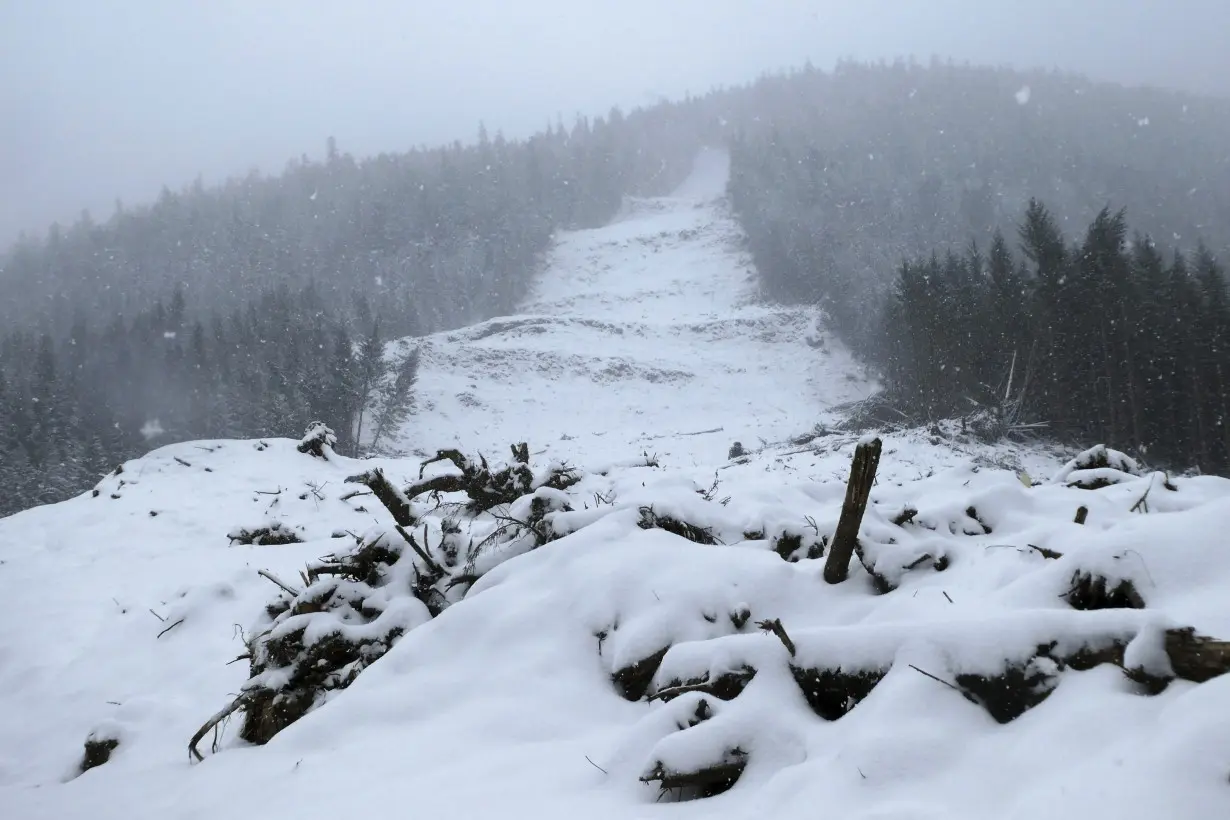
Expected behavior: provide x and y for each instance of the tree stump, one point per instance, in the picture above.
(858, 490)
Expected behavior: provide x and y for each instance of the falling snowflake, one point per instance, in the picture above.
(1022, 96)
(152, 429)
(1142, 122)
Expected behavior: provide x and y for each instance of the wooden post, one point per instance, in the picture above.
(858, 490)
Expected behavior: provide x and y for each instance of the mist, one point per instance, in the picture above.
(112, 101)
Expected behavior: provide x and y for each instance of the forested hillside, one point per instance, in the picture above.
(252, 308)
(1116, 333)
(437, 237)
(240, 309)
(843, 174)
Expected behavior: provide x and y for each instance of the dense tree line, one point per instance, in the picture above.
(438, 237)
(1105, 339)
(842, 174)
(1111, 340)
(72, 410)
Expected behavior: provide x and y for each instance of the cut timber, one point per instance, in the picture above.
(1195, 657)
(858, 490)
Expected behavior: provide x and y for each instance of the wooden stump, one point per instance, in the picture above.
(858, 490)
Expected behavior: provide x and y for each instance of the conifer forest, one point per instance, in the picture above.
(1022, 249)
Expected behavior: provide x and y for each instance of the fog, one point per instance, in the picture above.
(105, 101)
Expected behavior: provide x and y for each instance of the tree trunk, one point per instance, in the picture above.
(858, 490)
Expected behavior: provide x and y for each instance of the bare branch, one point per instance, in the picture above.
(269, 576)
(211, 723)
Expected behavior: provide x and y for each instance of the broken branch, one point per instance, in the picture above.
(269, 576)
(775, 626)
(209, 724)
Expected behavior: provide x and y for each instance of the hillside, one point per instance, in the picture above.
(596, 650)
(173, 316)
(636, 335)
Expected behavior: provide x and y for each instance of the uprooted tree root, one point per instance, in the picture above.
(485, 488)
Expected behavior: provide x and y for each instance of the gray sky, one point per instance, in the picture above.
(100, 100)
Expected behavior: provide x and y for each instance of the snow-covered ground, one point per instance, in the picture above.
(127, 606)
(637, 334)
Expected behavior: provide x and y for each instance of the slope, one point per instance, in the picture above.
(126, 605)
(636, 335)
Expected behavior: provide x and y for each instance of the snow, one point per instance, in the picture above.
(648, 325)
(126, 605)
(152, 429)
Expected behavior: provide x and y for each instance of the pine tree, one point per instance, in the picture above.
(370, 368)
(396, 401)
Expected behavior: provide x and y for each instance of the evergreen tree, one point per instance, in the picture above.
(370, 368)
(396, 400)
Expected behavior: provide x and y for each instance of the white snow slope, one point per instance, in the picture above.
(125, 606)
(636, 335)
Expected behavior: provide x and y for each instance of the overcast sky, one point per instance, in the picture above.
(100, 100)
